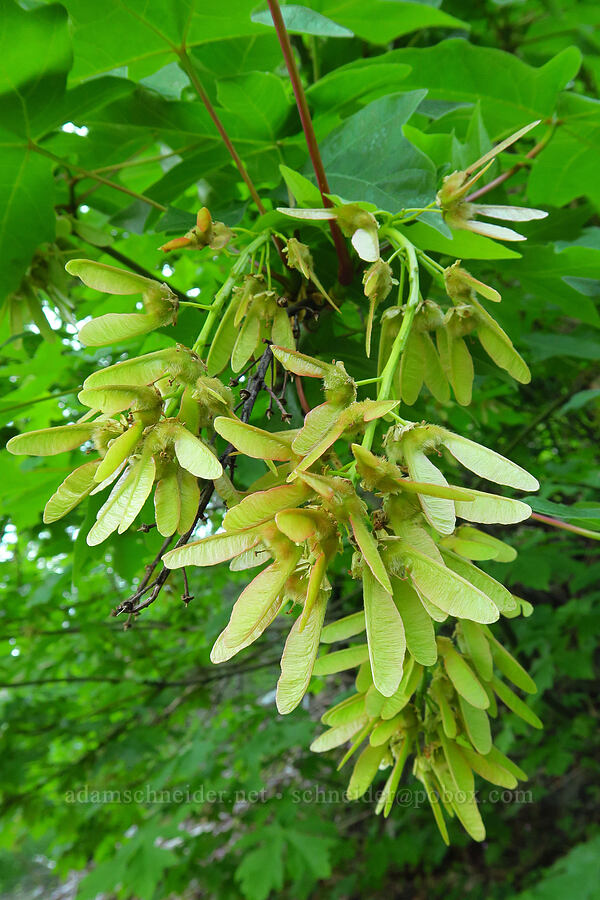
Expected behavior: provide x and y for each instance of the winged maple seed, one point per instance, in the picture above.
(159, 302)
(454, 740)
(141, 448)
(356, 222)
(459, 213)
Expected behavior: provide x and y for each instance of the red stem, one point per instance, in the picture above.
(557, 523)
(344, 264)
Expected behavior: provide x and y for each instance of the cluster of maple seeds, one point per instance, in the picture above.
(415, 692)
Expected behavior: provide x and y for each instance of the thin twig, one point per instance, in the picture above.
(105, 181)
(130, 605)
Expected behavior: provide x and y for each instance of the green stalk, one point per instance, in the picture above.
(387, 376)
(225, 290)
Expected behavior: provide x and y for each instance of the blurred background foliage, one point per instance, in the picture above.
(90, 707)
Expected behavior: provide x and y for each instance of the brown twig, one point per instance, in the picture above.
(199, 88)
(344, 264)
(131, 605)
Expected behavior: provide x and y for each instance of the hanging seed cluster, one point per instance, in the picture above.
(430, 673)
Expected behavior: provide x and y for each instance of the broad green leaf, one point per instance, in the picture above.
(50, 441)
(110, 279)
(418, 627)
(487, 463)
(211, 550)
(365, 770)
(402, 176)
(510, 699)
(72, 491)
(125, 501)
(450, 592)
(259, 102)
(457, 71)
(477, 725)
(195, 456)
(298, 657)
(344, 628)
(381, 23)
(341, 660)
(461, 675)
(343, 88)
(149, 31)
(252, 441)
(385, 635)
(303, 190)
(301, 20)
